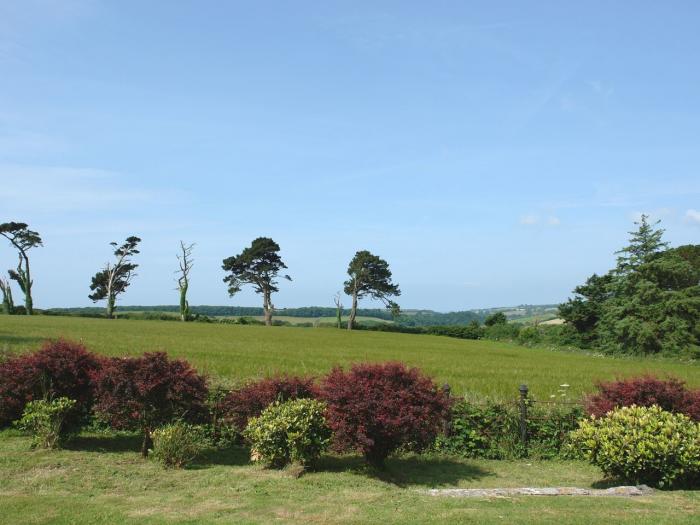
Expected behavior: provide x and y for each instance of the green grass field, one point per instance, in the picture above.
(102, 478)
(483, 368)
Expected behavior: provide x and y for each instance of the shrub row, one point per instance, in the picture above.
(375, 409)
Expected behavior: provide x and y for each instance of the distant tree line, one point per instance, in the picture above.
(258, 265)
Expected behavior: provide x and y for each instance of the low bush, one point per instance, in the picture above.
(144, 393)
(177, 444)
(529, 336)
(491, 430)
(642, 445)
(471, 331)
(45, 420)
(59, 369)
(379, 408)
(670, 394)
(290, 432)
(251, 399)
(502, 332)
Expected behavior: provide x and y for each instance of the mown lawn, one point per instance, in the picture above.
(102, 479)
(483, 368)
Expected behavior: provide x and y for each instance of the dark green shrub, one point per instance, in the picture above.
(291, 432)
(529, 336)
(177, 444)
(491, 430)
(481, 431)
(502, 332)
(642, 445)
(45, 420)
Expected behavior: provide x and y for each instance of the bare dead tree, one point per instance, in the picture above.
(186, 263)
(338, 308)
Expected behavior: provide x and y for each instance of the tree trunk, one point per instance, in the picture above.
(184, 307)
(28, 303)
(147, 443)
(110, 306)
(353, 311)
(267, 309)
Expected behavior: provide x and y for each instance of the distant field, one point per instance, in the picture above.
(239, 352)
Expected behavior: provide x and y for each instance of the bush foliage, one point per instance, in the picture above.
(45, 420)
(642, 445)
(291, 432)
(59, 369)
(248, 401)
(670, 394)
(177, 444)
(378, 408)
(492, 430)
(143, 393)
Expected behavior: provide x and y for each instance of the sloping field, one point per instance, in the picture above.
(238, 352)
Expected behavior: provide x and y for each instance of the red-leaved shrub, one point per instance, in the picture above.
(378, 408)
(59, 369)
(143, 393)
(251, 399)
(670, 394)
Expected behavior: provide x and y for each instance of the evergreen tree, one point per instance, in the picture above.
(258, 265)
(370, 276)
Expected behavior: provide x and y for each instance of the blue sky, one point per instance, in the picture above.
(494, 153)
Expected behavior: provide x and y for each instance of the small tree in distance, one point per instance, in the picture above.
(183, 281)
(23, 239)
(258, 265)
(370, 276)
(115, 278)
(496, 318)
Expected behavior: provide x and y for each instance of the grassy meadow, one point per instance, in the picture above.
(101, 479)
(484, 368)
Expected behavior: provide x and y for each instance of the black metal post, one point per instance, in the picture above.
(447, 423)
(523, 416)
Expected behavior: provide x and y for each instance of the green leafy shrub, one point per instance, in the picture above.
(642, 445)
(294, 431)
(529, 336)
(492, 430)
(45, 419)
(177, 444)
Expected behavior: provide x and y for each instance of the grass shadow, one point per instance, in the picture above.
(234, 457)
(404, 471)
(112, 443)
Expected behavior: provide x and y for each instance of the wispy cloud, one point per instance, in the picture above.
(600, 88)
(529, 219)
(692, 216)
(37, 189)
(532, 219)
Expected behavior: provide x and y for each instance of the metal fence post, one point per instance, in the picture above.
(523, 416)
(447, 423)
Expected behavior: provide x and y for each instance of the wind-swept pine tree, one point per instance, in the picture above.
(370, 276)
(116, 277)
(23, 239)
(258, 265)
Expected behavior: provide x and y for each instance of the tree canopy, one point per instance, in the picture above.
(648, 304)
(115, 278)
(258, 265)
(23, 239)
(370, 276)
